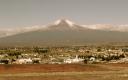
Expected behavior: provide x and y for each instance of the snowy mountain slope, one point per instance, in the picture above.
(63, 32)
(65, 24)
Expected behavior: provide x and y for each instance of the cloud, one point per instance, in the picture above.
(108, 27)
(12, 31)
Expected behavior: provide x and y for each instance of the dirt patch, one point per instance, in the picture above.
(119, 64)
(16, 68)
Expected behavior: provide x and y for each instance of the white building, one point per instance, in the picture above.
(74, 60)
(24, 61)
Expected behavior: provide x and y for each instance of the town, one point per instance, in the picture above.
(64, 55)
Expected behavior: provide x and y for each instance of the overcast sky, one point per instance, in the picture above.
(21, 13)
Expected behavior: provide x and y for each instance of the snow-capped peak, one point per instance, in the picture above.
(64, 21)
(57, 22)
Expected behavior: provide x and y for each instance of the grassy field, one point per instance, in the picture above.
(65, 72)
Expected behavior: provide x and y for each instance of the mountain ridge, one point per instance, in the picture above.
(105, 27)
(63, 32)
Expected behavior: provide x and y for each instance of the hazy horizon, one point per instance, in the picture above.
(21, 13)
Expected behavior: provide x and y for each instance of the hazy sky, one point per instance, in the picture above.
(19, 13)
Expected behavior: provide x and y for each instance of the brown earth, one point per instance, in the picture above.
(118, 64)
(64, 72)
(28, 68)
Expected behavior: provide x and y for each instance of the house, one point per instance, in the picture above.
(73, 60)
(92, 59)
(24, 61)
(36, 60)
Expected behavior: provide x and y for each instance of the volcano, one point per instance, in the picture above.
(63, 32)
